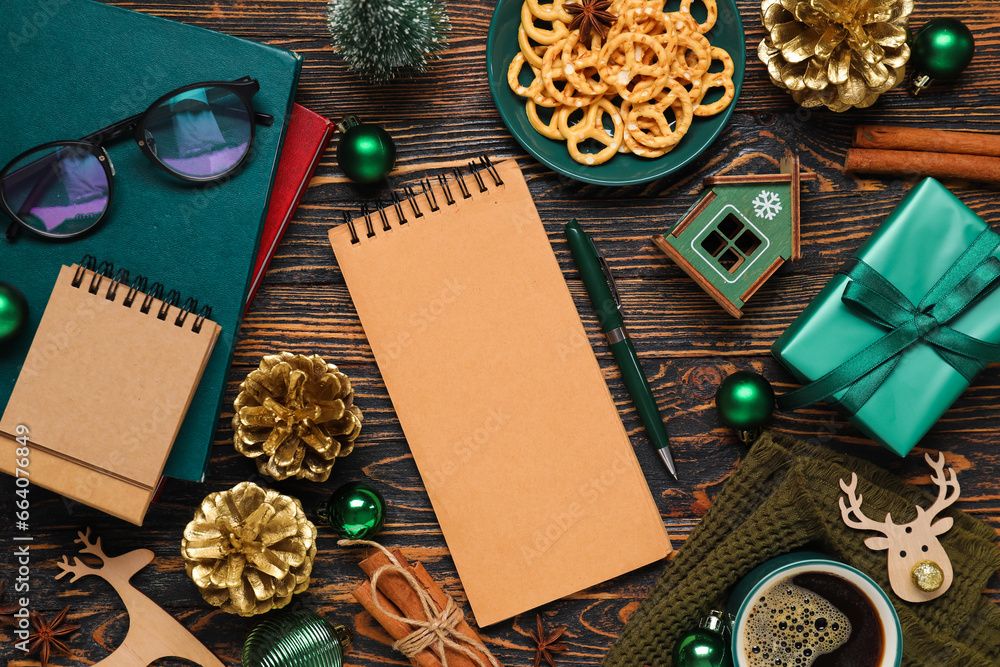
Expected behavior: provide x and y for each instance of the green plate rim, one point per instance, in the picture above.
(536, 145)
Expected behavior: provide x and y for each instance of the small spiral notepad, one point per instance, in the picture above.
(105, 386)
(519, 444)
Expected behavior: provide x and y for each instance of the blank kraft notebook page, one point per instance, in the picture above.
(505, 409)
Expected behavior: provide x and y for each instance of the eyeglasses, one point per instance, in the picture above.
(199, 133)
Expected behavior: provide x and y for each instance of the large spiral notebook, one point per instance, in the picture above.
(504, 406)
(104, 388)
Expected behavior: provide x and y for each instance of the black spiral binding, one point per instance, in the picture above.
(136, 286)
(368, 211)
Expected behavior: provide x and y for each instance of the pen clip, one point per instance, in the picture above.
(606, 270)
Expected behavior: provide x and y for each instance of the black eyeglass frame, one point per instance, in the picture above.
(244, 88)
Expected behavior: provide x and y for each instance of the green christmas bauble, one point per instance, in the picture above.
(705, 647)
(745, 401)
(366, 153)
(941, 49)
(296, 639)
(355, 511)
(13, 312)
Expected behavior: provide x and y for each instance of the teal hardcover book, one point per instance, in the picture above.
(73, 67)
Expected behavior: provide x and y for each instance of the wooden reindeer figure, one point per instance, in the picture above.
(152, 632)
(919, 567)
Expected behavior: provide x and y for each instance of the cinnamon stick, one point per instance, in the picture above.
(921, 139)
(396, 629)
(393, 586)
(913, 163)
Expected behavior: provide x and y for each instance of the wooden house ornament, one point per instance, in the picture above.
(738, 234)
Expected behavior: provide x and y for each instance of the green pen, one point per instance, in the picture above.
(603, 294)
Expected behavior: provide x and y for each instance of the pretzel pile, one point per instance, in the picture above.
(649, 62)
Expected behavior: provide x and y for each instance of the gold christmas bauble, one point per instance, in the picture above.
(249, 549)
(835, 53)
(295, 415)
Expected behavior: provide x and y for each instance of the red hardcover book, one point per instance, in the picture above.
(306, 140)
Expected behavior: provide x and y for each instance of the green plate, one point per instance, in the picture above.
(624, 168)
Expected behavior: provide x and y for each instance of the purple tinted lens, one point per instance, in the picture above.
(200, 133)
(58, 191)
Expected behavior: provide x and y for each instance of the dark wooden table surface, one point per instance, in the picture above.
(687, 343)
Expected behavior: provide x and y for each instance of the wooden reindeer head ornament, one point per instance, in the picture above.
(152, 632)
(919, 568)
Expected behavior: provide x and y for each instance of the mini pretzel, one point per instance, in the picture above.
(723, 79)
(532, 54)
(550, 129)
(550, 74)
(620, 76)
(514, 78)
(643, 19)
(682, 68)
(577, 61)
(630, 145)
(553, 11)
(626, 5)
(535, 90)
(679, 102)
(592, 127)
(713, 14)
(541, 35)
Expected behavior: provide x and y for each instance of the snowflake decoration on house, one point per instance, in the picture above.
(767, 204)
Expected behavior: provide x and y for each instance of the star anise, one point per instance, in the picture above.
(590, 16)
(46, 635)
(547, 644)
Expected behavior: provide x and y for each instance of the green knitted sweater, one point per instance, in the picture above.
(784, 496)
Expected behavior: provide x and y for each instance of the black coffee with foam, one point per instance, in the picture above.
(813, 619)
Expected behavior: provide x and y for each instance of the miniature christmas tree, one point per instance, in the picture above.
(380, 38)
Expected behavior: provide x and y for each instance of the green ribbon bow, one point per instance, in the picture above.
(973, 275)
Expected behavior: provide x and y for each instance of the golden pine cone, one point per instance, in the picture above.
(294, 416)
(249, 549)
(837, 53)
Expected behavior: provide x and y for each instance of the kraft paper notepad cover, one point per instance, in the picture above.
(103, 391)
(511, 424)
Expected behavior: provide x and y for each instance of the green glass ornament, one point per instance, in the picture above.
(355, 511)
(941, 49)
(745, 401)
(366, 153)
(707, 646)
(13, 312)
(296, 639)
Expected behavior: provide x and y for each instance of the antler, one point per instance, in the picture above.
(947, 483)
(90, 547)
(79, 569)
(859, 520)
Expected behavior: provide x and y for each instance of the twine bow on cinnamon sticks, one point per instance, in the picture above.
(428, 626)
(911, 151)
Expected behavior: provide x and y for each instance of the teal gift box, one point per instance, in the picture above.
(901, 331)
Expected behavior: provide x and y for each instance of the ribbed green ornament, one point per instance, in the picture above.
(296, 639)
